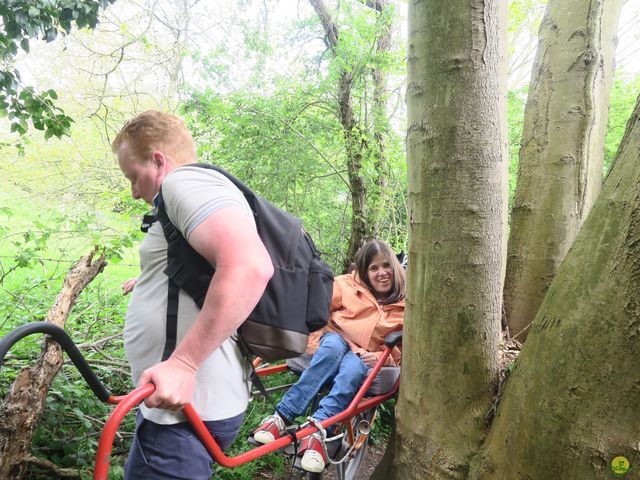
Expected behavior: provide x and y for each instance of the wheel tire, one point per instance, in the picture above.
(302, 475)
(348, 470)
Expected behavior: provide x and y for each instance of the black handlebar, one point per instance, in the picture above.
(63, 339)
(393, 339)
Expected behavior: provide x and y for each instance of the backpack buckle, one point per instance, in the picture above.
(148, 220)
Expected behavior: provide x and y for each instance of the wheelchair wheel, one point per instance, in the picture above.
(302, 475)
(361, 426)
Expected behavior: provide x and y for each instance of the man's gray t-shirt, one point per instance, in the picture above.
(190, 194)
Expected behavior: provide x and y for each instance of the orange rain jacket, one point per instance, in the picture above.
(360, 319)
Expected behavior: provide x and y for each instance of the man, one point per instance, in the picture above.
(206, 368)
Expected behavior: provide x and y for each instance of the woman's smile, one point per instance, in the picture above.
(380, 274)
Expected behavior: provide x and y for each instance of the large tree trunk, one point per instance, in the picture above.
(25, 401)
(562, 150)
(457, 164)
(571, 404)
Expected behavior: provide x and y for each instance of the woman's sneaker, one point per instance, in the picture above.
(314, 458)
(272, 429)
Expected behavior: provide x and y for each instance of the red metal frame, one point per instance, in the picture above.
(265, 371)
(125, 403)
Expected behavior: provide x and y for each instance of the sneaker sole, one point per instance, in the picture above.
(316, 467)
(263, 438)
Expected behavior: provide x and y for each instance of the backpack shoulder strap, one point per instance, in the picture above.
(246, 191)
(241, 186)
(171, 233)
(172, 236)
(185, 266)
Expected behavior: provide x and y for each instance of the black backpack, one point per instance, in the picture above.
(296, 300)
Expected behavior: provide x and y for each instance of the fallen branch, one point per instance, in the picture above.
(98, 343)
(59, 471)
(25, 401)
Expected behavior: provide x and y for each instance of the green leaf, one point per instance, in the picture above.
(51, 35)
(24, 44)
(21, 19)
(12, 48)
(78, 412)
(11, 28)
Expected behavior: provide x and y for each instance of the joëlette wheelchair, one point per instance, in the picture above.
(347, 451)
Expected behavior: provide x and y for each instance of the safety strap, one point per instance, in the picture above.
(173, 291)
(173, 295)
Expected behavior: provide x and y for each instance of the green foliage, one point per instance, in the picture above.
(282, 134)
(22, 22)
(516, 100)
(41, 235)
(35, 245)
(373, 150)
(624, 92)
(283, 146)
(385, 418)
(523, 14)
(68, 431)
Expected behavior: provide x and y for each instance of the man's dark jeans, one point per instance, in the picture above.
(174, 452)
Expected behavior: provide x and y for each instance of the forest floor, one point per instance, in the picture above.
(371, 460)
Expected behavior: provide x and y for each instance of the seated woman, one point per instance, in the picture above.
(367, 305)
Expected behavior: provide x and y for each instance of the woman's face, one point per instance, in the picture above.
(380, 274)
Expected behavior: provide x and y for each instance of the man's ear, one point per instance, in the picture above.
(159, 159)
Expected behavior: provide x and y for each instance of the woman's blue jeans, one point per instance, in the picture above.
(333, 363)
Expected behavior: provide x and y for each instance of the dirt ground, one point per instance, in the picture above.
(373, 457)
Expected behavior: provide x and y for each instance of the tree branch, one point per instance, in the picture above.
(25, 401)
(60, 471)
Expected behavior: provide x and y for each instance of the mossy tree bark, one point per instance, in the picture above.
(571, 404)
(457, 164)
(562, 149)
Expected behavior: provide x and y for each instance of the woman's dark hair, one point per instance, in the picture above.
(364, 257)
